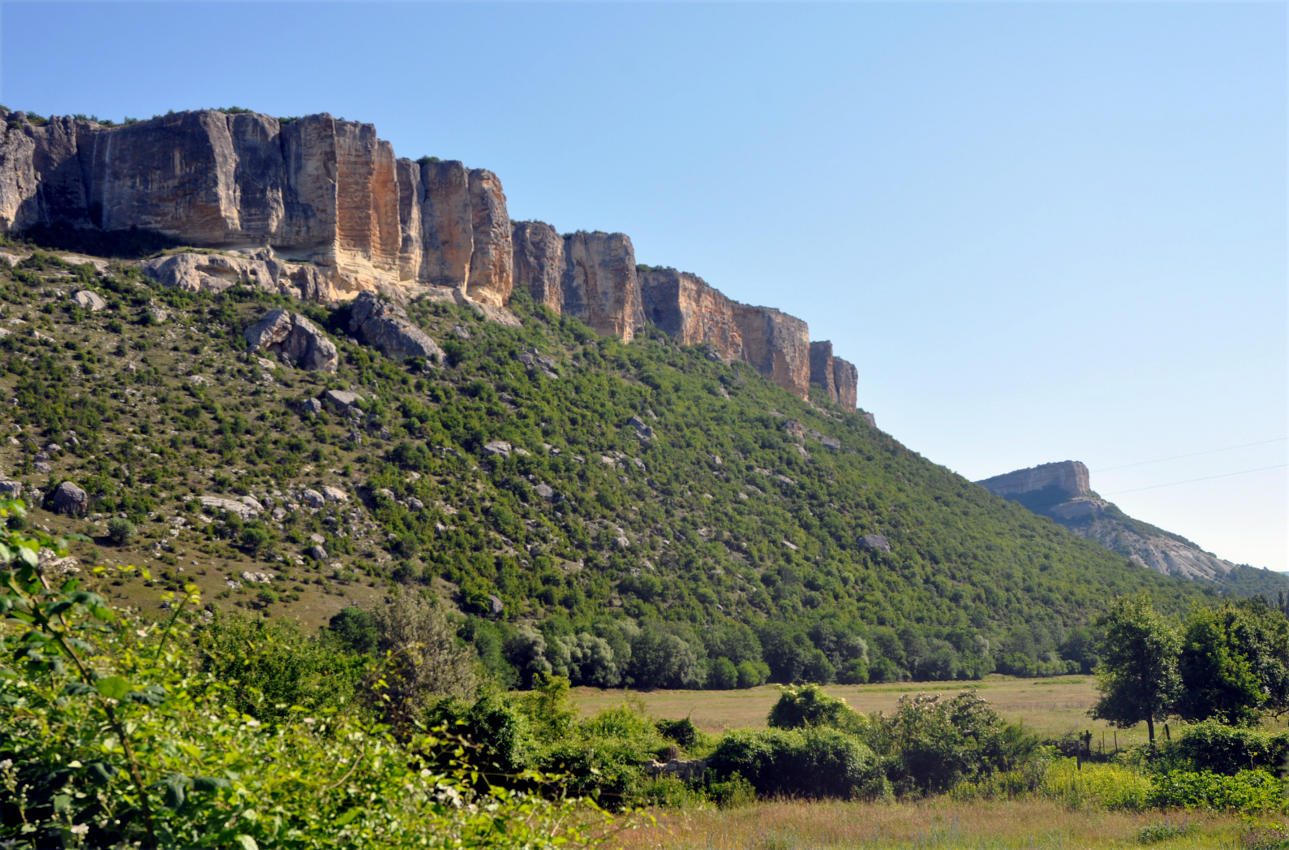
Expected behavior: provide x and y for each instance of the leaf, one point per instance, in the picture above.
(209, 783)
(77, 689)
(174, 793)
(246, 842)
(349, 816)
(101, 772)
(113, 687)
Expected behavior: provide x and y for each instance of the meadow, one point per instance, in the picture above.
(1049, 707)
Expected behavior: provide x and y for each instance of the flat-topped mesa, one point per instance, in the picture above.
(600, 286)
(315, 188)
(1054, 482)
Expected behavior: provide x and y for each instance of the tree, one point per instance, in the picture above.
(422, 658)
(1218, 678)
(1137, 675)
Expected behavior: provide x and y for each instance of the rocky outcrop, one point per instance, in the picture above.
(209, 272)
(1048, 484)
(315, 188)
(1061, 491)
(69, 499)
(777, 345)
(539, 262)
(386, 327)
(455, 229)
(838, 378)
(319, 208)
(690, 311)
(600, 286)
(295, 338)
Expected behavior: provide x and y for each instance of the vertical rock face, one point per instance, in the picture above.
(600, 286)
(331, 192)
(539, 262)
(839, 378)
(846, 379)
(777, 345)
(690, 311)
(315, 189)
(822, 372)
(1061, 481)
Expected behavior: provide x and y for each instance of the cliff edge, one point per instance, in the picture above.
(330, 193)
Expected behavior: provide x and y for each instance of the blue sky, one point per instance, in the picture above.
(1042, 231)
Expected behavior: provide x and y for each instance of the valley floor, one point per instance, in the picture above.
(939, 824)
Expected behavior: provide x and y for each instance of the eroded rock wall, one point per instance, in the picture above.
(330, 192)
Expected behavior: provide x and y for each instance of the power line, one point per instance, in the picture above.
(1192, 454)
(1205, 478)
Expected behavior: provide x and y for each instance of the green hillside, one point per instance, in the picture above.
(660, 517)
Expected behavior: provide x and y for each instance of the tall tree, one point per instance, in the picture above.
(1137, 676)
(1217, 672)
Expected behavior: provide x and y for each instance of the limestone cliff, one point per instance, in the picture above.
(318, 189)
(1062, 492)
(320, 208)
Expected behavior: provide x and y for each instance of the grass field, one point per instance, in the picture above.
(1049, 707)
(938, 824)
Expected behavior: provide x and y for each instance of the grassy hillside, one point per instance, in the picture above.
(657, 510)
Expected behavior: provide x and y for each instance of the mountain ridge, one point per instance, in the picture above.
(1062, 492)
(331, 193)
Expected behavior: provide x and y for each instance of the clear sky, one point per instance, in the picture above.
(1043, 231)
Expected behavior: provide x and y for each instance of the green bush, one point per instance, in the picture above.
(808, 705)
(1248, 791)
(819, 763)
(120, 530)
(1213, 746)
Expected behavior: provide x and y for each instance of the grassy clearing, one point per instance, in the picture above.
(1051, 707)
(935, 824)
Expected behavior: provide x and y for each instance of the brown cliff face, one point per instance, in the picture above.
(539, 262)
(838, 378)
(331, 193)
(777, 345)
(691, 312)
(315, 189)
(600, 286)
(846, 379)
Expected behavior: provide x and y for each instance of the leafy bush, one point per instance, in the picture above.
(1111, 786)
(808, 763)
(808, 705)
(120, 530)
(1248, 791)
(110, 736)
(930, 745)
(1213, 746)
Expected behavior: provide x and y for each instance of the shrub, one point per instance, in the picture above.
(811, 763)
(1247, 791)
(1212, 746)
(120, 530)
(808, 705)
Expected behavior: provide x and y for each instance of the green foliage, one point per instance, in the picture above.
(808, 705)
(120, 530)
(816, 762)
(1217, 678)
(1213, 746)
(931, 744)
(272, 669)
(1138, 676)
(1249, 791)
(110, 736)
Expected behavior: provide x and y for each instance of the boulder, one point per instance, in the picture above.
(89, 300)
(385, 327)
(10, 489)
(237, 507)
(874, 543)
(296, 339)
(342, 401)
(70, 500)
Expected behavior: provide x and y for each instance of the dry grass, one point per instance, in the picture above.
(938, 824)
(1050, 707)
